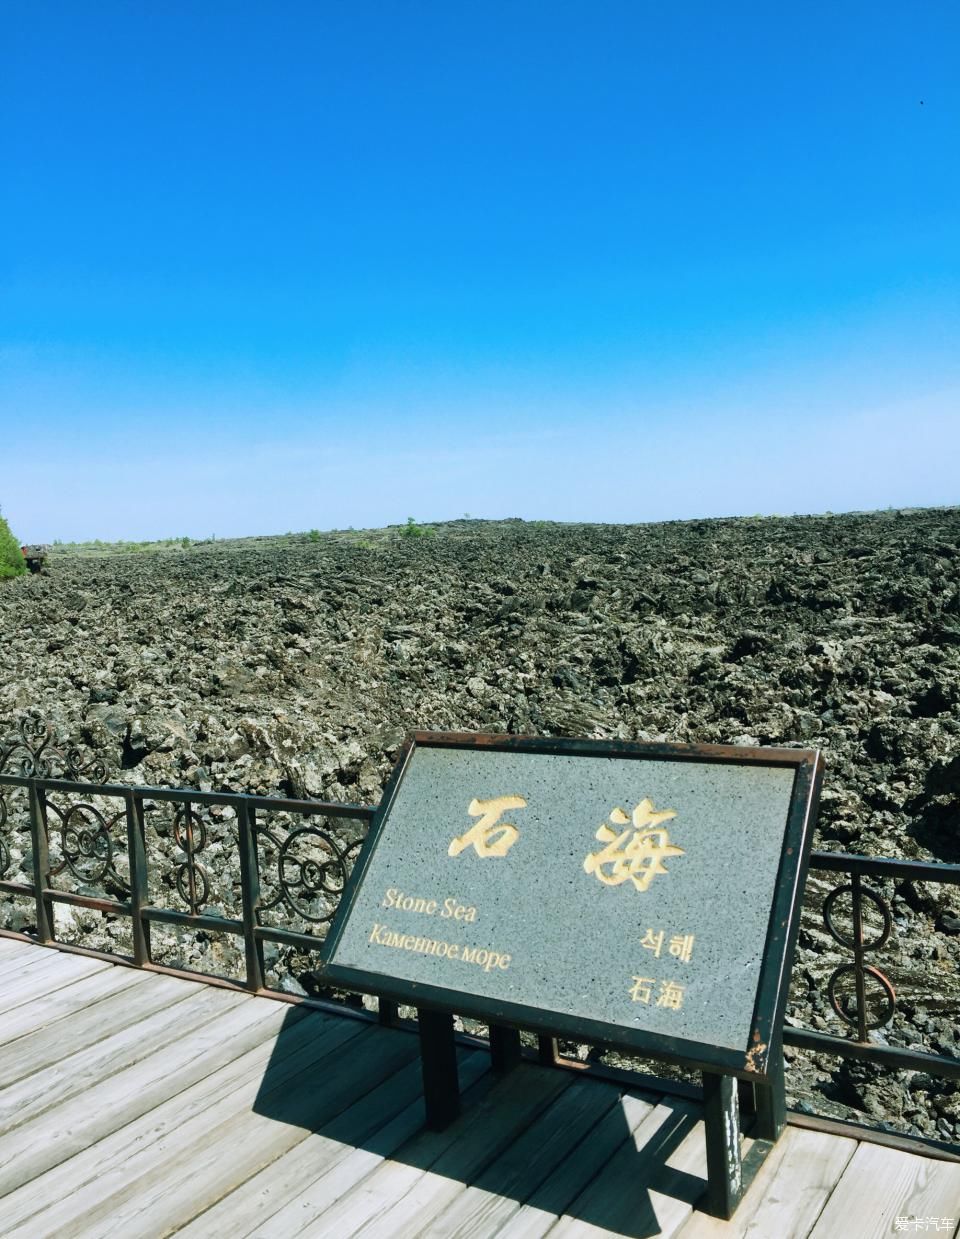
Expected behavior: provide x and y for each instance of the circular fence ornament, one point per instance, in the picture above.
(877, 921)
(85, 842)
(880, 997)
(190, 835)
(313, 872)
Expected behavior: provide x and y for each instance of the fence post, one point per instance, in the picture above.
(250, 892)
(137, 857)
(41, 862)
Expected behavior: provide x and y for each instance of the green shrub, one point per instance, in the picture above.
(314, 535)
(12, 562)
(412, 530)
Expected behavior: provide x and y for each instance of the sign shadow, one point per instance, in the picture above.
(536, 1141)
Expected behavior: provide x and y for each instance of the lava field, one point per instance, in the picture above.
(297, 664)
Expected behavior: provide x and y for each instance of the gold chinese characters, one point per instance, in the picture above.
(636, 853)
(489, 837)
(670, 995)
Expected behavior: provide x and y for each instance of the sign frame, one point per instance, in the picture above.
(758, 1059)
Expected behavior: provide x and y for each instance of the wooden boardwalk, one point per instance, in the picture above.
(152, 1105)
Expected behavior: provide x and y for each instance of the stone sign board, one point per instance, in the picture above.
(638, 895)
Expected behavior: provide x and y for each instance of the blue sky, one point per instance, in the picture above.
(271, 267)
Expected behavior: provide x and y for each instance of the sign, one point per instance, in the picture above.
(638, 895)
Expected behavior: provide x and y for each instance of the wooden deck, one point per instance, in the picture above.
(141, 1102)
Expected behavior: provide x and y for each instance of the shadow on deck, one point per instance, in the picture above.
(537, 1138)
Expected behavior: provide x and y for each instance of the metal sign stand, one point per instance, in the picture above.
(731, 1068)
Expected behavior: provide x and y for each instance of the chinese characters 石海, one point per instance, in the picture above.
(636, 853)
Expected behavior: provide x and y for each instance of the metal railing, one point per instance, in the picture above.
(89, 846)
(849, 984)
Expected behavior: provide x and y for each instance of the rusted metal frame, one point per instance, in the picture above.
(880, 867)
(191, 863)
(565, 746)
(889, 1055)
(41, 862)
(137, 859)
(783, 926)
(288, 937)
(858, 956)
(770, 1099)
(250, 893)
(17, 888)
(323, 808)
(216, 924)
(112, 907)
(886, 867)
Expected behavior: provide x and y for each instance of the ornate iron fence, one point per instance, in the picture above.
(203, 861)
(249, 866)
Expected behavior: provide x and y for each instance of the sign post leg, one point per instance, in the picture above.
(721, 1117)
(505, 1048)
(438, 1061)
(548, 1050)
(771, 1101)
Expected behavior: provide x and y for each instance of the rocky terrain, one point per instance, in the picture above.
(297, 665)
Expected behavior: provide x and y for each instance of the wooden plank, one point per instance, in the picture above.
(486, 1205)
(163, 1183)
(298, 1188)
(652, 1183)
(8, 945)
(579, 1168)
(406, 1193)
(133, 1091)
(108, 1149)
(789, 1191)
(64, 1003)
(47, 1084)
(89, 1026)
(46, 976)
(880, 1185)
(16, 953)
(29, 957)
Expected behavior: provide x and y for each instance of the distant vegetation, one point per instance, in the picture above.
(98, 547)
(412, 530)
(12, 562)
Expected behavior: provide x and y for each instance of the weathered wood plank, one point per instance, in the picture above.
(82, 992)
(579, 1168)
(29, 957)
(880, 1185)
(103, 1153)
(14, 953)
(52, 1084)
(789, 1191)
(97, 1025)
(114, 1117)
(651, 1184)
(347, 1161)
(51, 973)
(165, 1182)
(486, 1205)
(133, 1091)
(407, 1192)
